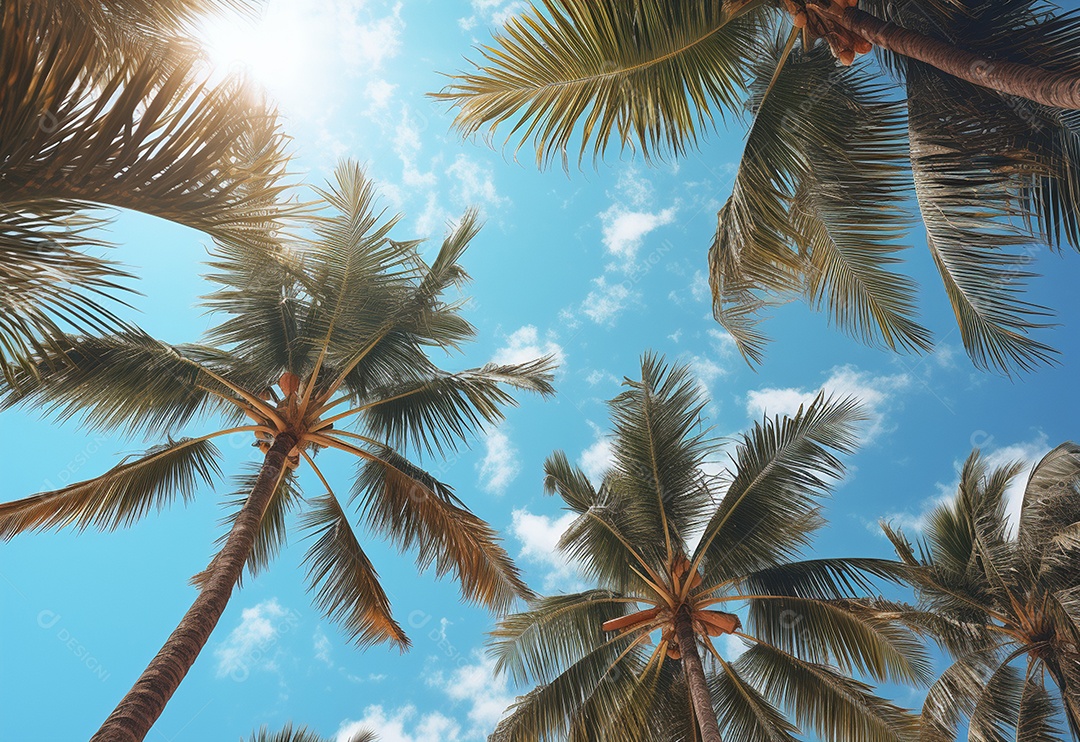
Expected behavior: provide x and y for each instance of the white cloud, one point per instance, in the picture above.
(500, 465)
(378, 93)
(524, 344)
(597, 458)
(597, 376)
(407, 145)
(539, 537)
(475, 183)
(402, 725)
(247, 646)
(367, 43)
(607, 301)
(1027, 453)
(625, 230)
(492, 12)
(434, 218)
(322, 647)
(487, 695)
(876, 393)
(707, 368)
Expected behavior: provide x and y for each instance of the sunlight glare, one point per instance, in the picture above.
(278, 49)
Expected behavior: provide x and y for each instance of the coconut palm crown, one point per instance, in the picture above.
(1011, 600)
(834, 159)
(676, 551)
(323, 347)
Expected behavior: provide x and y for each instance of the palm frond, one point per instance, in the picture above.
(51, 284)
(125, 381)
(289, 733)
(834, 632)
(348, 588)
(437, 413)
(658, 447)
(782, 467)
(553, 634)
(998, 708)
(963, 192)
(1037, 710)
(745, 713)
(260, 293)
(822, 579)
(152, 136)
(649, 73)
(819, 698)
(417, 512)
(956, 693)
(122, 495)
(825, 151)
(1050, 503)
(604, 681)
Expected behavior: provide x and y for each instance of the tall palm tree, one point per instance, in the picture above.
(667, 542)
(1011, 600)
(289, 733)
(820, 202)
(105, 104)
(341, 326)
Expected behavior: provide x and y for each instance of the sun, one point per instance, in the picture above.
(277, 48)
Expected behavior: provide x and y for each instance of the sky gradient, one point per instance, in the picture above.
(594, 266)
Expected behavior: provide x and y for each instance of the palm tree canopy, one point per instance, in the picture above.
(332, 330)
(663, 533)
(833, 161)
(90, 120)
(1008, 594)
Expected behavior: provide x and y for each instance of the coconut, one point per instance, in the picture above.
(289, 383)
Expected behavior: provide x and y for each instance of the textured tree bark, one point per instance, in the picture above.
(1054, 89)
(695, 677)
(143, 704)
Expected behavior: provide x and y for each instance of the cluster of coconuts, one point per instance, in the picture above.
(289, 384)
(705, 622)
(845, 44)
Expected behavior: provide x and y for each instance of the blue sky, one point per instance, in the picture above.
(596, 267)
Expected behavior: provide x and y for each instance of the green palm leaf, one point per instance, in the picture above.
(121, 496)
(124, 381)
(349, 591)
(420, 513)
(826, 147)
(648, 73)
(428, 413)
(781, 467)
(834, 706)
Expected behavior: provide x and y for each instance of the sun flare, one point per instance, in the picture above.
(278, 49)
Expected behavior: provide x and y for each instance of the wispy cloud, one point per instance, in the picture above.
(500, 465)
(876, 392)
(249, 646)
(539, 537)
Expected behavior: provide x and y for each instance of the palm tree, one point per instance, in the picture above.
(1011, 601)
(105, 104)
(833, 157)
(666, 542)
(301, 734)
(341, 324)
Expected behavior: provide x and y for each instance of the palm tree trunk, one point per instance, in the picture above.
(1055, 89)
(143, 704)
(695, 677)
